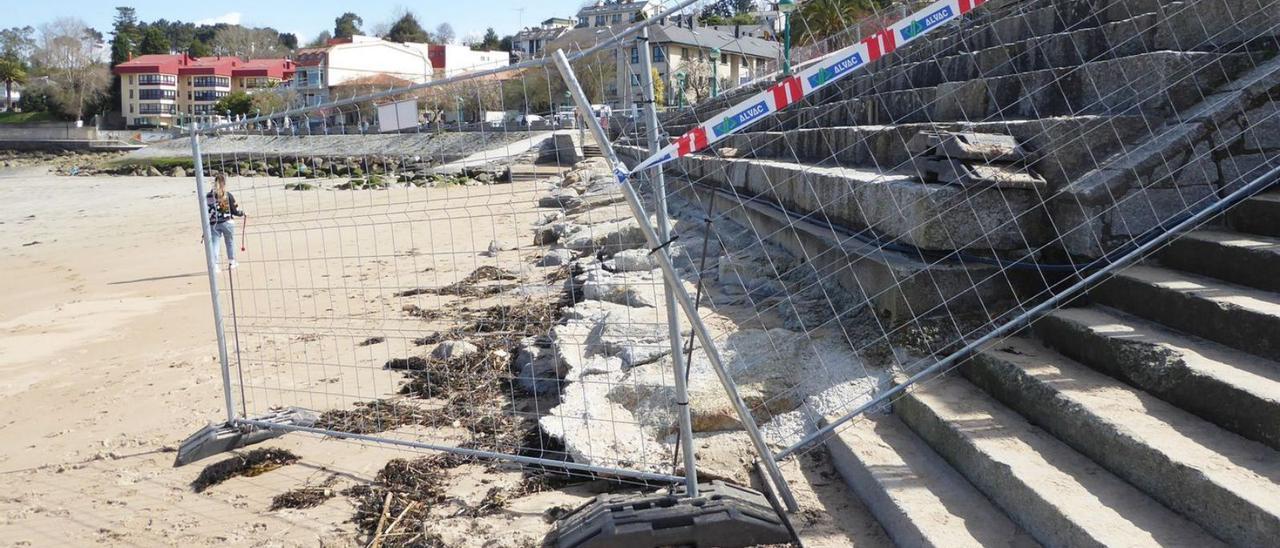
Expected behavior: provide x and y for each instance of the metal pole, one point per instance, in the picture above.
(682, 296)
(658, 182)
(210, 264)
(715, 73)
(786, 48)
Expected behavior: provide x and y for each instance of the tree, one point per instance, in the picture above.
(289, 40)
(247, 43)
(66, 53)
(491, 42)
(11, 72)
(407, 29)
(125, 35)
(37, 98)
(445, 33)
(659, 88)
(507, 43)
(320, 40)
(347, 25)
(197, 48)
(154, 41)
(238, 103)
(816, 20)
(729, 12)
(17, 43)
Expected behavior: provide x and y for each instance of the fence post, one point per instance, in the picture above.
(658, 182)
(673, 281)
(210, 264)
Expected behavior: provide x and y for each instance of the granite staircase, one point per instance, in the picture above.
(1148, 413)
(1149, 416)
(1077, 82)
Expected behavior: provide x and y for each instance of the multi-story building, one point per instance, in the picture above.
(531, 42)
(163, 90)
(687, 57)
(616, 12)
(358, 57)
(452, 59)
(263, 74)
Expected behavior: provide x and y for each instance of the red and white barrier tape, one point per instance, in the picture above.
(791, 89)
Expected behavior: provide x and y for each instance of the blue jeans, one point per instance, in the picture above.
(225, 231)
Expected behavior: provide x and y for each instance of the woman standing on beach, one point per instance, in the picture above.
(222, 209)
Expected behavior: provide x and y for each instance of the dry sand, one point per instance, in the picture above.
(108, 360)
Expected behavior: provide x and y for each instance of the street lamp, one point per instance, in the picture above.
(715, 71)
(786, 7)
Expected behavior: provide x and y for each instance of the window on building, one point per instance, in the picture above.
(724, 59)
(584, 21)
(635, 55)
(599, 20)
(658, 56)
(212, 82)
(157, 79)
(131, 94)
(684, 53)
(131, 112)
(617, 18)
(131, 79)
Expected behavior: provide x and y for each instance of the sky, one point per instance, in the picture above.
(306, 19)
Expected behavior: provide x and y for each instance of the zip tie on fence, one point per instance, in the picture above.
(665, 244)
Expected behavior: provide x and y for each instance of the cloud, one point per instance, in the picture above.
(230, 18)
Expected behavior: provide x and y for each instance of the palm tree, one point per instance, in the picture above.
(11, 72)
(816, 20)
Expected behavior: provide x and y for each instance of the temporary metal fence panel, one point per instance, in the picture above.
(861, 232)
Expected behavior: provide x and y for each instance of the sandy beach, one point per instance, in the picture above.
(108, 360)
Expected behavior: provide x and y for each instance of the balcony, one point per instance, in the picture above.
(211, 82)
(157, 80)
(207, 96)
(157, 94)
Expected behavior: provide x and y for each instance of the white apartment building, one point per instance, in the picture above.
(616, 12)
(531, 42)
(358, 58)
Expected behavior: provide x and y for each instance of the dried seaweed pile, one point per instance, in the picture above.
(307, 496)
(469, 286)
(376, 416)
(395, 509)
(527, 318)
(250, 464)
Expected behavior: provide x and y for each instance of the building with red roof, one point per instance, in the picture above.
(162, 90)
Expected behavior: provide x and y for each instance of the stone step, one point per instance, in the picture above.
(1241, 317)
(898, 286)
(1259, 214)
(1227, 484)
(1068, 146)
(896, 206)
(1191, 373)
(830, 514)
(1238, 258)
(1154, 84)
(917, 497)
(1058, 495)
(1128, 38)
(1048, 19)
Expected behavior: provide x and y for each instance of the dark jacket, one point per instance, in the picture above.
(219, 215)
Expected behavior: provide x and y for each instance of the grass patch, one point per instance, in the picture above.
(27, 117)
(253, 463)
